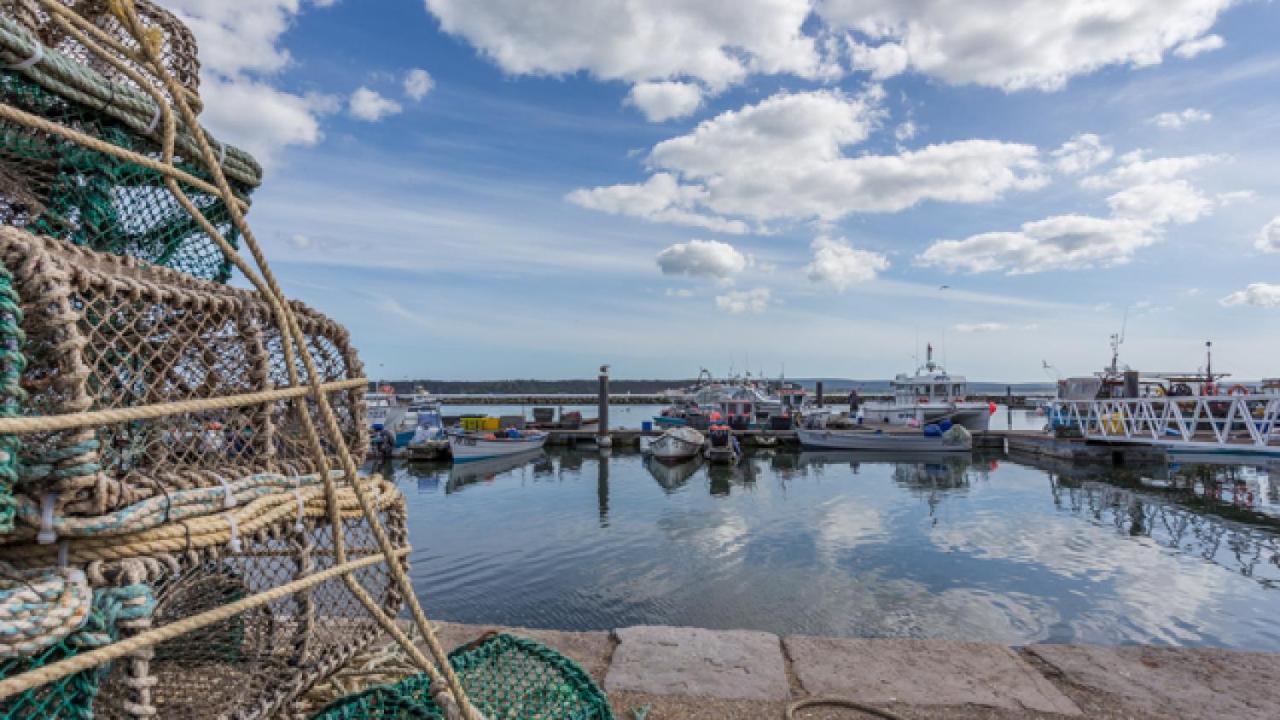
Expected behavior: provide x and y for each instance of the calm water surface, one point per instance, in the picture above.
(840, 544)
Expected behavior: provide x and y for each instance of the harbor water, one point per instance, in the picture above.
(981, 548)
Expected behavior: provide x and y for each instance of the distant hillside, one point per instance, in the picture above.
(648, 387)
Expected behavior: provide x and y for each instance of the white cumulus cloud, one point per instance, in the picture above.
(1176, 120)
(240, 50)
(838, 264)
(1149, 196)
(738, 302)
(716, 42)
(1265, 295)
(1081, 154)
(1160, 203)
(785, 158)
(368, 105)
(661, 101)
(1269, 237)
(1192, 48)
(417, 83)
(1020, 44)
(1134, 168)
(661, 198)
(1062, 242)
(702, 258)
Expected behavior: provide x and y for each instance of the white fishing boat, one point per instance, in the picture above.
(930, 396)
(467, 447)
(957, 439)
(680, 443)
(382, 411)
(429, 440)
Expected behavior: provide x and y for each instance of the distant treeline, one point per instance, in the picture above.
(650, 387)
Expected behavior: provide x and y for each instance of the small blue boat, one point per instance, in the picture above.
(668, 421)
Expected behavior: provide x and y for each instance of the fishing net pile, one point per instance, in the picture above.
(183, 528)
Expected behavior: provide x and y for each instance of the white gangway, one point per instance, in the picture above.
(1238, 424)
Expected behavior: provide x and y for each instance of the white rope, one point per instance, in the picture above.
(234, 543)
(36, 57)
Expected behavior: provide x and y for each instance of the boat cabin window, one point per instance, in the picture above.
(940, 391)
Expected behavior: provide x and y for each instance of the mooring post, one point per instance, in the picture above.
(602, 429)
(1008, 404)
(817, 391)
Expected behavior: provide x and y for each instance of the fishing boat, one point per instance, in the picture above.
(382, 408)
(743, 402)
(680, 443)
(470, 446)
(722, 447)
(932, 439)
(931, 395)
(429, 441)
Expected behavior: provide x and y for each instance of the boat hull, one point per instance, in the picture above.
(677, 444)
(665, 421)
(880, 442)
(469, 448)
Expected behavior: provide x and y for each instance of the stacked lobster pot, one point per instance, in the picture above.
(164, 465)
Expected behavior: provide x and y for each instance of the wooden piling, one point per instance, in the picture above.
(602, 409)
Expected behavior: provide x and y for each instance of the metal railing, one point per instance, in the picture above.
(1215, 422)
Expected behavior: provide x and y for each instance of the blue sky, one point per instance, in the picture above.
(497, 189)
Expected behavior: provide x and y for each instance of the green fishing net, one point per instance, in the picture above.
(504, 676)
(12, 363)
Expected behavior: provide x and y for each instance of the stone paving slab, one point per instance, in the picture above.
(923, 672)
(1174, 682)
(722, 664)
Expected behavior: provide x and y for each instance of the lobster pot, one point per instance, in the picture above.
(53, 185)
(103, 332)
(252, 664)
(178, 49)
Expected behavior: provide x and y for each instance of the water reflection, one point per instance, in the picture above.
(672, 476)
(463, 474)
(852, 544)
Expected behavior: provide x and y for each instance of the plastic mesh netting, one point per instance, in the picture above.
(505, 677)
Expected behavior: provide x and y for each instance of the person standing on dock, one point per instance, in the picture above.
(855, 402)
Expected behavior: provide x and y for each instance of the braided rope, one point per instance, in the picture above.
(49, 423)
(40, 606)
(12, 363)
(213, 530)
(159, 510)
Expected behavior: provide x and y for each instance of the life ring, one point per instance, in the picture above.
(1238, 390)
(924, 400)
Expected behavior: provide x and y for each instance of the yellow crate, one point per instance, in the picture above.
(490, 423)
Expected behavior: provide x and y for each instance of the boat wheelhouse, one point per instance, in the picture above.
(930, 395)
